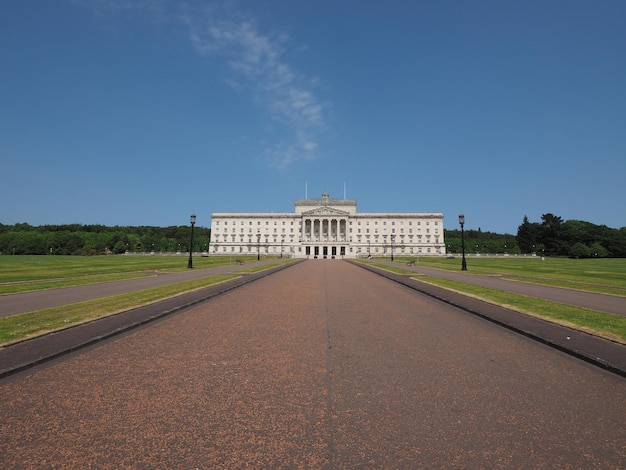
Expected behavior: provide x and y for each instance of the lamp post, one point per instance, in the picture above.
(462, 222)
(192, 219)
(393, 237)
(258, 247)
(282, 240)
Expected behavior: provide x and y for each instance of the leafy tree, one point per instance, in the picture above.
(578, 238)
(597, 250)
(119, 247)
(580, 250)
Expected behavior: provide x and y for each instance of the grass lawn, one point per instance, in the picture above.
(603, 275)
(27, 273)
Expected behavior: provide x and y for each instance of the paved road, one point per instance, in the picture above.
(322, 365)
(14, 304)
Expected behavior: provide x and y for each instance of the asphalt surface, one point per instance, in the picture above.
(323, 364)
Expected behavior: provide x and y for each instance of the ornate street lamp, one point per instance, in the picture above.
(393, 237)
(462, 222)
(258, 246)
(193, 222)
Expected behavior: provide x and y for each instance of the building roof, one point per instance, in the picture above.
(325, 200)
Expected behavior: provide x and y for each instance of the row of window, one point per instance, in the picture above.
(291, 240)
(367, 222)
(367, 230)
(359, 250)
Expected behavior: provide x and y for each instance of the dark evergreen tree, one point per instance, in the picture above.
(527, 236)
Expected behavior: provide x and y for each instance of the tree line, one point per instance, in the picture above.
(551, 237)
(76, 239)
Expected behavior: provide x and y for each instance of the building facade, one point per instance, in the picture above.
(327, 228)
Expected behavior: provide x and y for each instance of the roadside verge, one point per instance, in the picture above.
(601, 352)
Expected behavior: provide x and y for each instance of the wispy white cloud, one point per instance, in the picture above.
(255, 63)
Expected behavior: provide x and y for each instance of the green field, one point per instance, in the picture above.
(607, 276)
(27, 273)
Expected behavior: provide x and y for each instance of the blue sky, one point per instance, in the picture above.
(141, 112)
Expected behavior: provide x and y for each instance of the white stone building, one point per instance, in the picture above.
(327, 228)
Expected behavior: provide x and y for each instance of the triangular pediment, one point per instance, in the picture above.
(326, 211)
